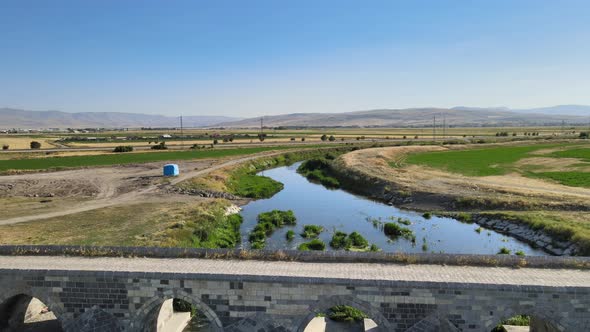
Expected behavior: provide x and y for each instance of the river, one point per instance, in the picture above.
(339, 210)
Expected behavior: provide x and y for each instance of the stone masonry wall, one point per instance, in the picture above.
(129, 301)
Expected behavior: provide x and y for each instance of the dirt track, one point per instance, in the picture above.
(376, 162)
(106, 186)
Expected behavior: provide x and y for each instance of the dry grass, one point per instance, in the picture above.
(17, 206)
(23, 142)
(145, 224)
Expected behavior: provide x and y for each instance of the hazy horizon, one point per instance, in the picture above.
(268, 58)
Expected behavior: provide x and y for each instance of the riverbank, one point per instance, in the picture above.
(373, 173)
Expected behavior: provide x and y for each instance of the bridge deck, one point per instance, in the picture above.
(356, 271)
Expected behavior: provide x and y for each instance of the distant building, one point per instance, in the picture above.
(166, 136)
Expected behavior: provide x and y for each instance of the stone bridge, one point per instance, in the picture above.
(125, 294)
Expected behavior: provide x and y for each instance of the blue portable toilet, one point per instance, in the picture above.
(171, 170)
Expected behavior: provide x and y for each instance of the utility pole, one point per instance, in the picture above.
(261, 125)
(444, 126)
(562, 127)
(434, 129)
(181, 134)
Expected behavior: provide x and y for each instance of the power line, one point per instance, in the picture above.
(434, 128)
(181, 134)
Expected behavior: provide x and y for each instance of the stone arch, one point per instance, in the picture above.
(515, 309)
(326, 303)
(95, 319)
(47, 298)
(143, 315)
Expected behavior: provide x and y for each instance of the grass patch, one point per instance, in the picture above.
(315, 244)
(318, 170)
(354, 241)
(311, 231)
(394, 230)
(267, 223)
(582, 153)
(254, 186)
(572, 179)
(476, 162)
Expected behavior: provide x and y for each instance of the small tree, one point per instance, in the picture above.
(5, 147)
(584, 135)
(324, 137)
(215, 141)
(161, 146)
(123, 148)
(35, 145)
(332, 138)
(302, 139)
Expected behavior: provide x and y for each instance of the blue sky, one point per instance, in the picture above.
(250, 58)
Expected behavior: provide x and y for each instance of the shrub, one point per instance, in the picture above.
(332, 138)
(374, 248)
(339, 240)
(160, 146)
(345, 313)
(324, 137)
(315, 244)
(5, 147)
(357, 240)
(519, 253)
(584, 134)
(278, 218)
(215, 141)
(302, 139)
(427, 215)
(311, 231)
(35, 145)
(504, 251)
(123, 148)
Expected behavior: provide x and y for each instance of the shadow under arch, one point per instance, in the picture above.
(146, 316)
(325, 303)
(49, 300)
(532, 311)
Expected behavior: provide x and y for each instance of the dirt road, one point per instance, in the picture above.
(106, 186)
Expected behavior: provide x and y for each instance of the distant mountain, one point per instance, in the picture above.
(413, 117)
(580, 110)
(15, 118)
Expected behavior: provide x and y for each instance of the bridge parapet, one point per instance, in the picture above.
(95, 294)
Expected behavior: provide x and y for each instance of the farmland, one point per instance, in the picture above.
(505, 159)
(128, 158)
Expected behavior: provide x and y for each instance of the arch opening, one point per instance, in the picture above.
(26, 313)
(179, 315)
(525, 323)
(343, 318)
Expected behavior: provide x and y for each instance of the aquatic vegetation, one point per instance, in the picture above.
(315, 244)
(311, 231)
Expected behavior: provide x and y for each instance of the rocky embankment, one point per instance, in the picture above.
(203, 193)
(526, 234)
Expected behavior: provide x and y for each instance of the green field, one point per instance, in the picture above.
(501, 160)
(476, 162)
(129, 158)
(583, 154)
